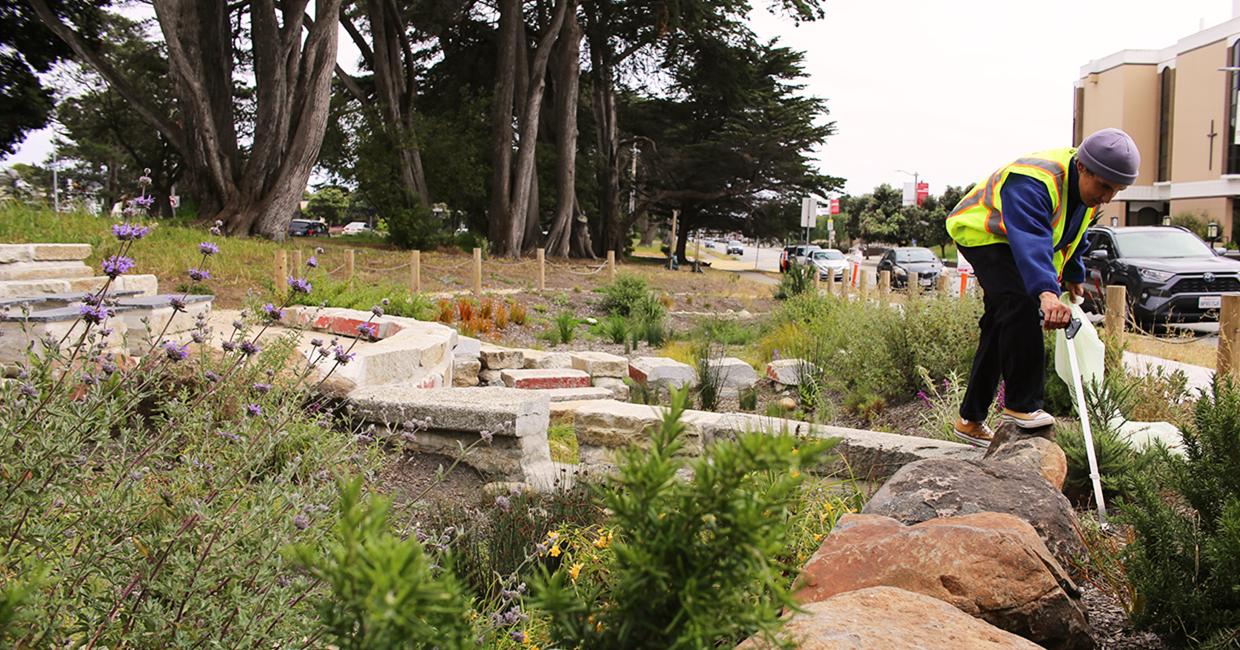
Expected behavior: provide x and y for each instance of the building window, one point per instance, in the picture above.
(1166, 112)
(1232, 144)
(1078, 116)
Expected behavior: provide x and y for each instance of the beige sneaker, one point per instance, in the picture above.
(1034, 420)
(974, 433)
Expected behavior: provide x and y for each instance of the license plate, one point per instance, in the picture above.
(1210, 302)
(927, 281)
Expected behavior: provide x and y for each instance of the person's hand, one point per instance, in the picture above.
(1077, 289)
(1055, 314)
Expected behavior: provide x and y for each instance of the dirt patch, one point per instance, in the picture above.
(1112, 628)
(410, 477)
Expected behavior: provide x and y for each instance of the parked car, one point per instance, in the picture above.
(829, 263)
(911, 259)
(356, 228)
(307, 228)
(709, 243)
(1169, 273)
(803, 253)
(735, 248)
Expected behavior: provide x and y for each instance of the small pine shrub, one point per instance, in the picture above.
(383, 591)
(694, 563)
(500, 316)
(749, 399)
(1185, 558)
(622, 294)
(798, 280)
(710, 376)
(465, 309)
(649, 318)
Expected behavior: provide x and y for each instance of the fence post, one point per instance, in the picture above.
(863, 285)
(611, 265)
(941, 283)
(1117, 311)
(297, 261)
(281, 268)
(884, 285)
(542, 270)
(415, 271)
(349, 264)
(830, 281)
(477, 271)
(1229, 337)
(914, 283)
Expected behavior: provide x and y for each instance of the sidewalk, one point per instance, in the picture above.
(1199, 377)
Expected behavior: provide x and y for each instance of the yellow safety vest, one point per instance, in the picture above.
(978, 219)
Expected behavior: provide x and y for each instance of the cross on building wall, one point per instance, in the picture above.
(1210, 154)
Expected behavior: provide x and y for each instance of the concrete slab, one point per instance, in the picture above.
(44, 271)
(1200, 378)
(600, 364)
(545, 378)
(542, 359)
(576, 394)
(59, 252)
(467, 346)
(662, 372)
(497, 358)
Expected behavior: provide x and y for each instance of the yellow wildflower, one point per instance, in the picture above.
(794, 450)
(795, 473)
(575, 571)
(555, 550)
(553, 535)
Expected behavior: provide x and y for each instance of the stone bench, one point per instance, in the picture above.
(516, 419)
(544, 379)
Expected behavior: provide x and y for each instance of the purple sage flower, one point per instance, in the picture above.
(129, 231)
(28, 390)
(343, 357)
(229, 346)
(921, 395)
(368, 330)
(228, 435)
(503, 503)
(273, 312)
(262, 389)
(249, 348)
(301, 521)
(212, 376)
(197, 337)
(254, 410)
(299, 285)
(144, 201)
(176, 352)
(198, 275)
(117, 265)
(377, 311)
(486, 436)
(238, 324)
(316, 343)
(313, 262)
(177, 303)
(518, 636)
(208, 248)
(94, 315)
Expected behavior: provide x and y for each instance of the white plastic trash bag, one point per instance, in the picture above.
(1090, 353)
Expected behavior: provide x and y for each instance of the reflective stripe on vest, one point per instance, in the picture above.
(978, 219)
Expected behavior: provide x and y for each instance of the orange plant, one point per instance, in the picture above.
(465, 309)
(516, 313)
(487, 309)
(446, 311)
(500, 316)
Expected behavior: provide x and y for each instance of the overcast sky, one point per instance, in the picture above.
(948, 89)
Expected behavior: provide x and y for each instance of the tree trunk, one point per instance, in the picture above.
(566, 84)
(501, 122)
(529, 133)
(647, 227)
(391, 60)
(608, 140)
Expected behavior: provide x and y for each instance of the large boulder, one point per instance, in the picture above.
(600, 364)
(947, 487)
(1036, 452)
(990, 565)
(661, 372)
(734, 374)
(888, 618)
(789, 372)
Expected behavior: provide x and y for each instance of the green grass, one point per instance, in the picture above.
(562, 438)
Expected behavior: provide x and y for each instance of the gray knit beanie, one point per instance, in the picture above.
(1111, 154)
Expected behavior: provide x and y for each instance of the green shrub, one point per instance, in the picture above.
(566, 326)
(621, 295)
(615, 328)
(797, 281)
(394, 299)
(749, 399)
(415, 229)
(709, 376)
(1186, 555)
(649, 320)
(693, 563)
(383, 591)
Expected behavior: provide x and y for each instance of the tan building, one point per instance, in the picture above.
(1179, 104)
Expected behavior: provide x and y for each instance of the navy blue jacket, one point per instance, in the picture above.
(1027, 215)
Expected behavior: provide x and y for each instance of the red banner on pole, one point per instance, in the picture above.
(835, 206)
(923, 192)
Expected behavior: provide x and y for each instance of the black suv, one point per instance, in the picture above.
(911, 259)
(306, 228)
(1170, 274)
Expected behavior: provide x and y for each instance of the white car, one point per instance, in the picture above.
(829, 262)
(356, 228)
(734, 248)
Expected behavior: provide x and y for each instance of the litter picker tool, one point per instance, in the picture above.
(1074, 326)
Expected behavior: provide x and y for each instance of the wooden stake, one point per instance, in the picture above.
(281, 269)
(542, 270)
(1117, 311)
(297, 261)
(477, 271)
(1229, 337)
(415, 271)
(611, 265)
(349, 264)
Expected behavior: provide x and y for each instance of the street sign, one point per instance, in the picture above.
(809, 212)
(835, 206)
(174, 201)
(915, 194)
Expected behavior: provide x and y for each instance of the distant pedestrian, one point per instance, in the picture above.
(1022, 229)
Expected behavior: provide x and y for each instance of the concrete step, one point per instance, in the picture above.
(45, 271)
(576, 394)
(10, 253)
(545, 378)
(143, 284)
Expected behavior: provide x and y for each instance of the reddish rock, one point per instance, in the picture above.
(888, 618)
(544, 379)
(1036, 452)
(345, 326)
(990, 565)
